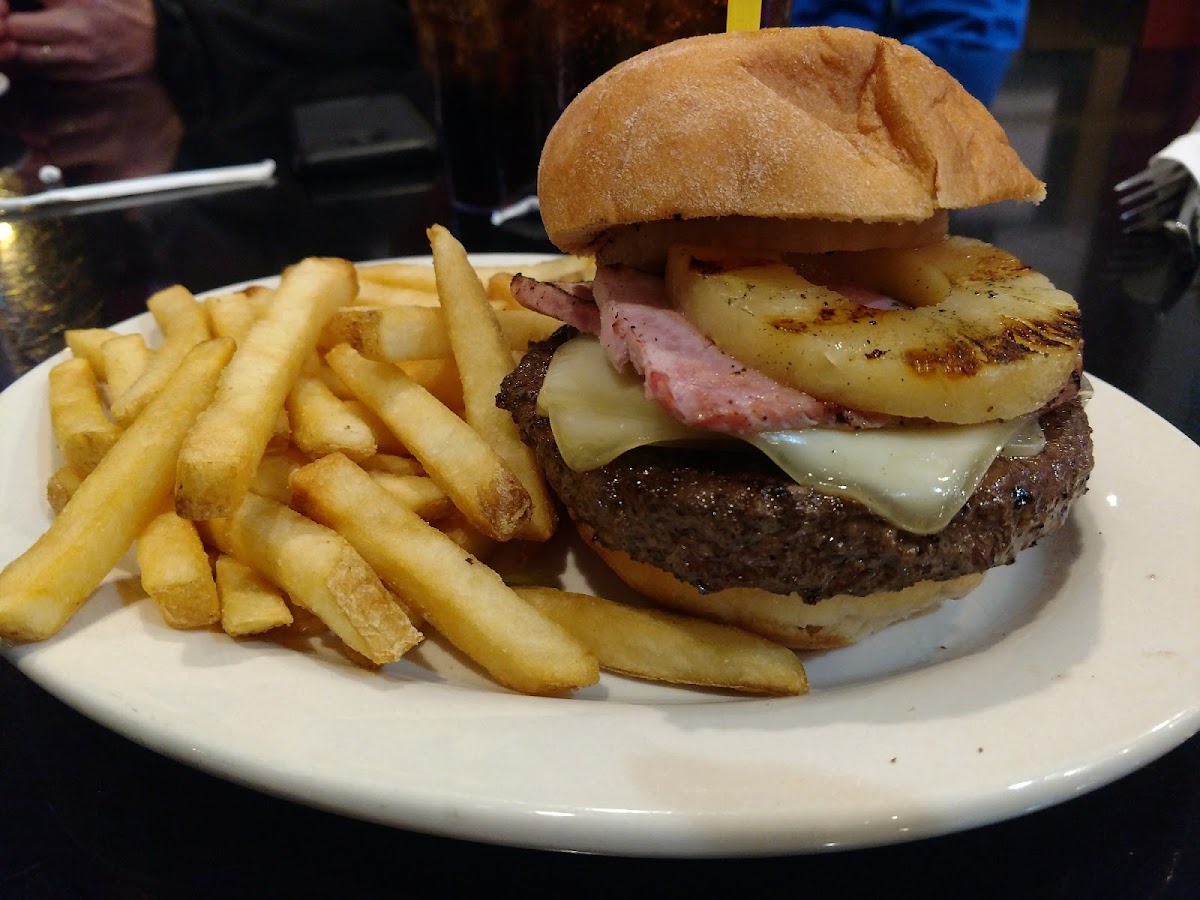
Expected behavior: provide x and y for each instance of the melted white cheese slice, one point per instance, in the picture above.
(915, 477)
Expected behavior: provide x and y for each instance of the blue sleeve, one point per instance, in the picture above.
(984, 24)
(974, 40)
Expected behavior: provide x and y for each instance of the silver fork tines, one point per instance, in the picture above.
(1152, 177)
(1152, 197)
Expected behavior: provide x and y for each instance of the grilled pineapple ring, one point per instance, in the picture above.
(986, 338)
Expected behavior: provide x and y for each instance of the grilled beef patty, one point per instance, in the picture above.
(723, 519)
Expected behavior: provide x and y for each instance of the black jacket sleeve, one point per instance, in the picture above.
(213, 54)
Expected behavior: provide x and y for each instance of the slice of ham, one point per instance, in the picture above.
(697, 383)
(684, 372)
(570, 303)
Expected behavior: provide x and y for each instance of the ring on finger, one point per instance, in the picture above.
(45, 50)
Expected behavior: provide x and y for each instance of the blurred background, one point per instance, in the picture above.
(1092, 71)
(1099, 87)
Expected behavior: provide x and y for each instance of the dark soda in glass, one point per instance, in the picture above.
(503, 70)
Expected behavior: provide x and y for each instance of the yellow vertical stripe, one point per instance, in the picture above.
(743, 15)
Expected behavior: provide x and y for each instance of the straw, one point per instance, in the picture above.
(743, 15)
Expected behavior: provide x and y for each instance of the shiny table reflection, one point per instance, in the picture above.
(88, 814)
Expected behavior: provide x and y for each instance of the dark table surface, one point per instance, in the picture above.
(89, 814)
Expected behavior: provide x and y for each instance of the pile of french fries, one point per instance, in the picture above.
(330, 450)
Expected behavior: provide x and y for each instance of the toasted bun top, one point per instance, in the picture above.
(794, 123)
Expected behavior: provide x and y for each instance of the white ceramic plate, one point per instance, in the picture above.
(1061, 673)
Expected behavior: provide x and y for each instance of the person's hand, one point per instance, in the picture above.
(79, 40)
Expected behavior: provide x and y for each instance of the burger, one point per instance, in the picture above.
(788, 400)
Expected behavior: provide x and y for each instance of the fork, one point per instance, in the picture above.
(1152, 197)
(1165, 195)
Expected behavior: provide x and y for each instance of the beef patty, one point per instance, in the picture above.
(724, 519)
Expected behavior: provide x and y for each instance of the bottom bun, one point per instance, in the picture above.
(784, 618)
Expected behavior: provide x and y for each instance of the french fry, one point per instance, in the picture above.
(320, 571)
(402, 333)
(124, 359)
(85, 343)
(453, 454)
(415, 276)
(561, 268)
(456, 527)
(322, 424)
(439, 377)
(418, 492)
(385, 440)
(81, 427)
(463, 599)
(484, 358)
(419, 276)
(318, 367)
(231, 315)
(664, 646)
(46, 585)
(275, 471)
(221, 452)
(184, 325)
(260, 297)
(392, 464)
(499, 291)
(175, 571)
(281, 436)
(373, 293)
(250, 604)
(61, 485)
